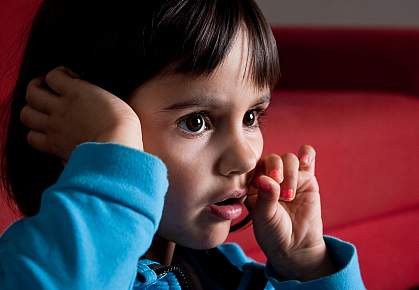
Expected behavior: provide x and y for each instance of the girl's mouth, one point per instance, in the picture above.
(228, 209)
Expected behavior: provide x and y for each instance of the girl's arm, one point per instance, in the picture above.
(93, 225)
(102, 213)
(346, 277)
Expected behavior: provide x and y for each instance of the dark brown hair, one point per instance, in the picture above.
(119, 45)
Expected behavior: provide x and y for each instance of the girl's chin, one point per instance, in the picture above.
(202, 238)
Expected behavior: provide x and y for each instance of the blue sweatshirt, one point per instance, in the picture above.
(98, 220)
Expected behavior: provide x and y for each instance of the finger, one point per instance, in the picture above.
(251, 196)
(267, 198)
(37, 140)
(274, 167)
(289, 186)
(251, 183)
(61, 80)
(33, 119)
(40, 98)
(307, 157)
(258, 170)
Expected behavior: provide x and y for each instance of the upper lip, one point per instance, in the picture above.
(236, 193)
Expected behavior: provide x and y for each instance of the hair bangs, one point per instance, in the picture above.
(263, 59)
(201, 35)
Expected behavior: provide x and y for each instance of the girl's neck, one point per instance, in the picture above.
(161, 250)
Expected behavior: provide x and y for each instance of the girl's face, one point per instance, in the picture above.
(205, 129)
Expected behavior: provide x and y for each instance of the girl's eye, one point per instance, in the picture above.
(253, 118)
(249, 118)
(195, 123)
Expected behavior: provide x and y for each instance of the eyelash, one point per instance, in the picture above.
(259, 112)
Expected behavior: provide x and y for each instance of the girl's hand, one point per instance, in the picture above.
(284, 203)
(63, 111)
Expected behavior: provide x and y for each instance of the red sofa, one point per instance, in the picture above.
(353, 95)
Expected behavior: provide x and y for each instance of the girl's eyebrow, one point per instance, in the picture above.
(208, 102)
(265, 99)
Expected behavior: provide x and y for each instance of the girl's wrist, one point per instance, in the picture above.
(129, 136)
(306, 267)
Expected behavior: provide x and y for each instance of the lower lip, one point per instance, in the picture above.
(227, 212)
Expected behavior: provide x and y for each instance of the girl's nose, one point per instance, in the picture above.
(240, 155)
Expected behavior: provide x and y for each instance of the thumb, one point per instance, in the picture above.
(266, 205)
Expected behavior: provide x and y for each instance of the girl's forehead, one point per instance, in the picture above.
(178, 92)
(231, 80)
(233, 72)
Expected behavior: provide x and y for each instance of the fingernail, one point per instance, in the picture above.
(274, 173)
(263, 185)
(287, 194)
(305, 159)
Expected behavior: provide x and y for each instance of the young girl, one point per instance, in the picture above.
(134, 142)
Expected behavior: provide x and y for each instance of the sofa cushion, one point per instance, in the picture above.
(388, 248)
(366, 143)
(384, 59)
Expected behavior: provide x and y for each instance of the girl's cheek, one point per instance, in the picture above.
(259, 166)
(258, 146)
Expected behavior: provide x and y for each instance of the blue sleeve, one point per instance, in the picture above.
(347, 277)
(94, 223)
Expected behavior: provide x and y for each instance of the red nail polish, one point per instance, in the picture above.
(287, 194)
(274, 173)
(305, 159)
